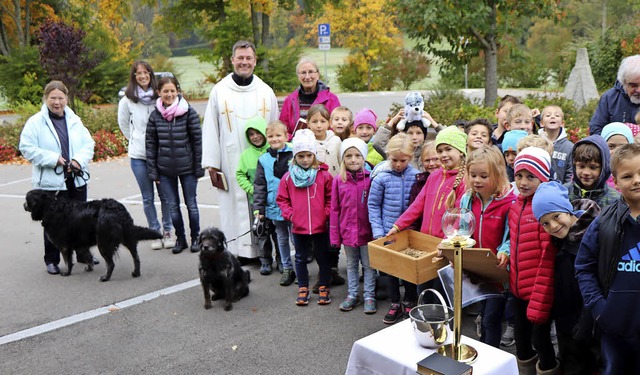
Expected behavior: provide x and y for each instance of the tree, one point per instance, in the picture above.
(455, 30)
(64, 55)
(16, 21)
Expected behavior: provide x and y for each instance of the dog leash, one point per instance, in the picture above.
(238, 237)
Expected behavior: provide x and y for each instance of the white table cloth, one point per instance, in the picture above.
(395, 351)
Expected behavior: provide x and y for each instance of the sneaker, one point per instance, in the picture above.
(336, 279)
(303, 296)
(394, 313)
(288, 275)
(407, 309)
(508, 337)
(323, 296)
(181, 244)
(478, 321)
(157, 244)
(370, 306)
(265, 269)
(349, 303)
(168, 242)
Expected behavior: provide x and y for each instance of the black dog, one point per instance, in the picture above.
(73, 225)
(220, 271)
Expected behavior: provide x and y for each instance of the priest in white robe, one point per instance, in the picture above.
(234, 100)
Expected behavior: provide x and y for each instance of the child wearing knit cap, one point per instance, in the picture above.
(567, 222)
(616, 134)
(304, 196)
(531, 267)
(349, 222)
(364, 127)
(341, 121)
(510, 149)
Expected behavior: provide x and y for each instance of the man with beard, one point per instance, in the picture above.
(233, 101)
(621, 102)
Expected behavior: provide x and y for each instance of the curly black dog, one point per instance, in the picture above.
(220, 271)
(73, 225)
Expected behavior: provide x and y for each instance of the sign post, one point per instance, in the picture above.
(324, 43)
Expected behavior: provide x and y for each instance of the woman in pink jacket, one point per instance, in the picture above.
(304, 196)
(349, 221)
(311, 91)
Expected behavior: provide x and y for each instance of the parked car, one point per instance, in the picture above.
(158, 76)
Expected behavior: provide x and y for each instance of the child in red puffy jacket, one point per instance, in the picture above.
(532, 261)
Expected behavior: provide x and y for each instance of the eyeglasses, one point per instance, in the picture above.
(141, 74)
(307, 72)
(633, 85)
(432, 160)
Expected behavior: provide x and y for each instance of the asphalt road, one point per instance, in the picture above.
(156, 324)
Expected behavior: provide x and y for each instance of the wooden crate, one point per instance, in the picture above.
(389, 259)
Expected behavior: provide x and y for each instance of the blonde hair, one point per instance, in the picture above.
(497, 168)
(277, 125)
(549, 107)
(518, 110)
(451, 198)
(624, 152)
(533, 140)
(313, 165)
(347, 130)
(343, 167)
(427, 147)
(400, 144)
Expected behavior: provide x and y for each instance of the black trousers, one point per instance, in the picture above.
(528, 333)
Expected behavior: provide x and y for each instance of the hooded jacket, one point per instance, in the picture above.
(291, 106)
(174, 147)
(430, 203)
(307, 208)
(606, 270)
(39, 144)
(389, 196)
(531, 262)
(614, 106)
(272, 166)
(601, 193)
(246, 170)
(561, 159)
(349, 219)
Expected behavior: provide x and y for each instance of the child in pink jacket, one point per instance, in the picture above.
(304, 196)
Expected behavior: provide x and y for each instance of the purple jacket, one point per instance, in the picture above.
(349, 215)
(291, 108)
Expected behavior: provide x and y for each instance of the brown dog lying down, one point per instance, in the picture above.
(73, 225)
(220, 271)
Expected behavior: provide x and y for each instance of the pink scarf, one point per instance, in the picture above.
(172, 111)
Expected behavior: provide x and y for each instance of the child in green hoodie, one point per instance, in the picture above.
(255, 131)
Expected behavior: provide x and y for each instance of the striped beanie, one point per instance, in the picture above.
(535, 160)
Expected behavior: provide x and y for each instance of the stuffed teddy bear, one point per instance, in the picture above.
(413, 110)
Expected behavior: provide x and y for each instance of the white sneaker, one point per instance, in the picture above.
(156, 244)
(508, 337)
(168, 241)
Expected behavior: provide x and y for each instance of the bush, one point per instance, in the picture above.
(8, 152)
(108, 144)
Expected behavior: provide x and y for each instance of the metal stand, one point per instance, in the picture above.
(461, 352)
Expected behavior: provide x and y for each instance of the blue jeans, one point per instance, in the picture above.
(189, 183)
(283, 228)
(139, 168)
(355, 256)
(319, 244)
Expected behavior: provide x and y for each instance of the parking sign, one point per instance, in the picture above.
(324, 29)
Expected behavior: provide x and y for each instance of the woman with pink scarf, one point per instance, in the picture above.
(174, 150)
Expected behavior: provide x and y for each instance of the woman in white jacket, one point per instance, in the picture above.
(133, 114)
(60, 148)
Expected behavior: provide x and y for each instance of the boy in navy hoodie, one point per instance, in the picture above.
(591, 169)
(608, 268)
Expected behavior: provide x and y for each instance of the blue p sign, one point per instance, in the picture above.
(324, 29)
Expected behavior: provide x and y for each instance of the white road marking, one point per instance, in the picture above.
(15, 182)
(64, 322)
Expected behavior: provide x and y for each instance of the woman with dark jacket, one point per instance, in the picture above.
(174, 151)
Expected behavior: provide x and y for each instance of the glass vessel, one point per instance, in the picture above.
(458, 225)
